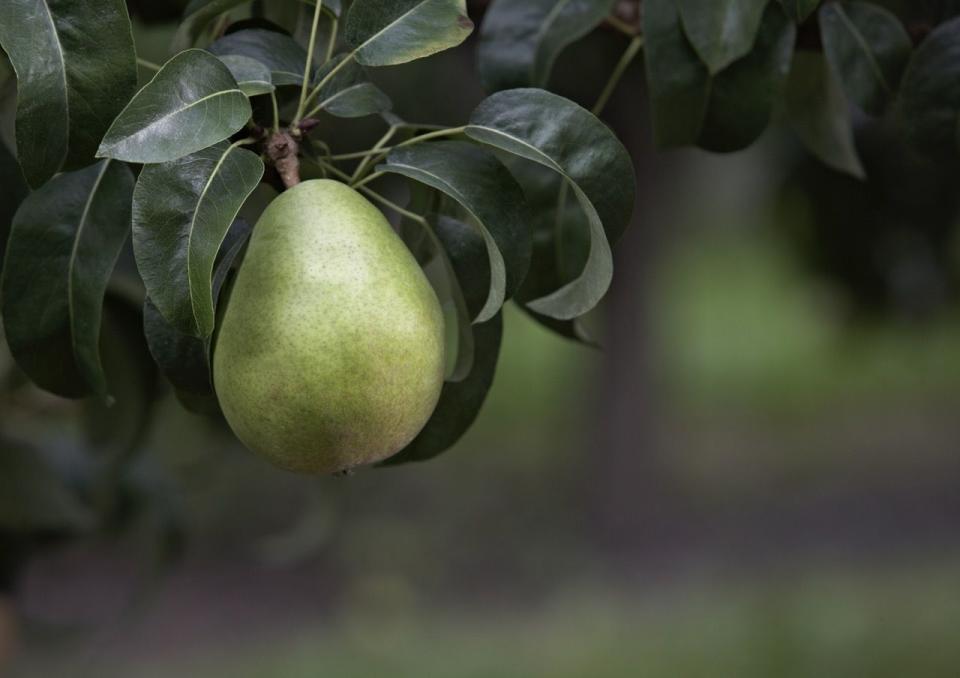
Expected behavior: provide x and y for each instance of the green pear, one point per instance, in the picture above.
(330, 352)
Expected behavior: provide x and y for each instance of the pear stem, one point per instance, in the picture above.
(282, 149)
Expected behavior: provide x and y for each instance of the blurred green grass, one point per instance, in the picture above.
(892, 622)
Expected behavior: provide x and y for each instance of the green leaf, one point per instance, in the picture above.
(348, 94)
(64, 244)
(475, 179)
(391, 32)
(192, 103)
(721, 31)
(252, 77)
(76, 68)
(460, 402)
(742, 97)
(678, 81)
(34, 497)
(182, 211)
(868, 49)
(800, 10)
(559, 134)
(818, 112)
(521, 39)
(183, 358)
(929, 105)
(280, 53)
(197, 16)
(14, 192)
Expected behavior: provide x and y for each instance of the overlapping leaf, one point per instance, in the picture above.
(391, 32)
(818, 111)
(280, 53)
(800, 10)
(868, 49)
(721, 31)
(742, 96)
(521, 39)
(183, 358)
(929, 105)
(197, 15)
(348, 94)
(559, 134)
(65, 241)
(482, 185)
(460, 402)
(253, 78)
(182, 211)
(76, 68)
(192, 103)
(13, 193)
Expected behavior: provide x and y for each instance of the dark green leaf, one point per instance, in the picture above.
(521, 39)
(65, 241)
(721, 31)
(742, 97)
(285, 58)
(460, 402)
(559, 134)
(483, 186)
(76, 69)
(348, 94)
(197, 16)
(252, 77)
(820, 115)
(929, 107)
(391, 32)
(33, 495)
(185, 359)
(182, 211)
(192, 103)
(13, 193)
(679, 82)
(868, 48)
(799, 10)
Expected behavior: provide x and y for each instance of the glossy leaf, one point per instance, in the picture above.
(13, 193)
(192, 103)
(868, 49)
(475, 179)
(253, 78)
(76, 68)
(460, 402)
(800, 10)
(183, 358)
(818, 112)
(348, 94)
(391, 32)
(280, 53)
(64, 244)
(742, 97)
(721, 31)
(182, 211)
(521, 39)
(929, 105)
(559, 134)
(196, 17)
(678, 81)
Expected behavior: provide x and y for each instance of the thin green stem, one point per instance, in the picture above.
(148, 64)
(276, 112)
(621, 25)
(368, 179)
(333, 169)
(334, 27)
(631, 52)
(328, 77)
(395, 207)
(361, 168)
(445, 132)
(305, 87)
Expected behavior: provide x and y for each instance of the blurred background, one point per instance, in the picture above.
(756, 476)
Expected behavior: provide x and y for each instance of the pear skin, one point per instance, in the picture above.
(330, 352)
